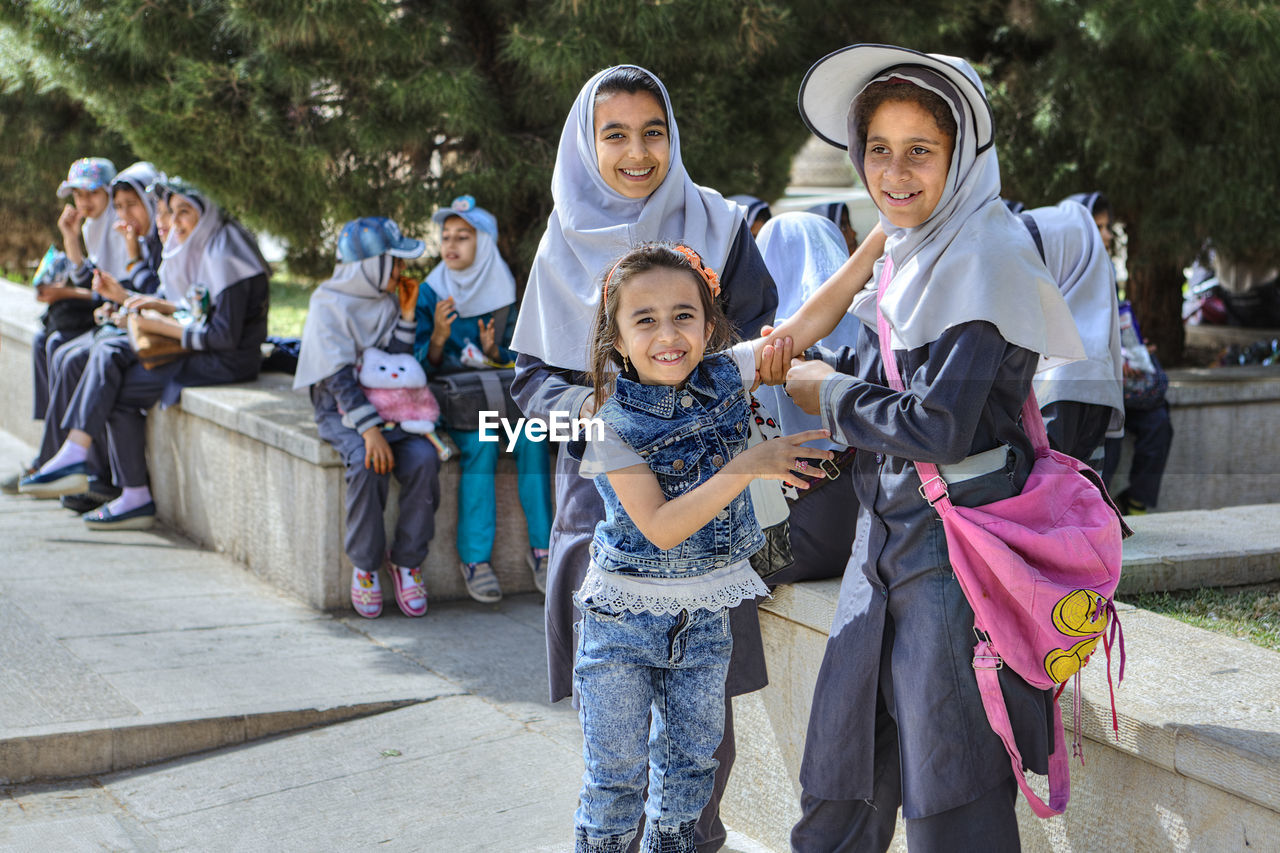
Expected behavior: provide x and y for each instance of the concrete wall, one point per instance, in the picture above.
(1196, 765)
(241, 469)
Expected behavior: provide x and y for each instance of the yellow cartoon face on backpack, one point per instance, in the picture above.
(1081, 613)
(1061, 665)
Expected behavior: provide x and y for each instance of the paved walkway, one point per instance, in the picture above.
(300, 731)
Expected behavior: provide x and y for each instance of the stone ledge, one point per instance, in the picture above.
(1201, 707)
(241, 469)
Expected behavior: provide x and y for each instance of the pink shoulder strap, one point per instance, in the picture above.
(933, 487)
(986, 662)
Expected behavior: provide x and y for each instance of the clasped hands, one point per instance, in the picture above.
(779, 365)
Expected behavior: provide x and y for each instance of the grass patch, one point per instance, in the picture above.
(1246, 612)
(289, 301)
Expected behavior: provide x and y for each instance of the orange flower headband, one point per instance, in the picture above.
(695, 261)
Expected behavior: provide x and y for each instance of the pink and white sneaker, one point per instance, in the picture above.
(411, 592)
(366, 593)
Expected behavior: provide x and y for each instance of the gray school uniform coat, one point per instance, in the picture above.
(902, 627)
(539, 389)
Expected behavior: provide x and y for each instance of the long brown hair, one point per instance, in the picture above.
(605, 360)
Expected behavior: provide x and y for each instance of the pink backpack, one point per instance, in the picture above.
(1039, 570)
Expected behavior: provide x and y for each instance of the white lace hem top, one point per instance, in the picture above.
(716, 590)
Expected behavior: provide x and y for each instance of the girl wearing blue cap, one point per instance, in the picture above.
(367, 303)
(469, 305)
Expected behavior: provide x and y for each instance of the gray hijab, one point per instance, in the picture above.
(349, 313)
(972, 259)
(593, 225)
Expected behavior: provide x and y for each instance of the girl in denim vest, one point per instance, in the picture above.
(671, 556)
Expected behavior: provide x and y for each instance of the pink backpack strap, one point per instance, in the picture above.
(986, 663)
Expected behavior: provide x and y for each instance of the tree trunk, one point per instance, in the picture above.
(1155, 291)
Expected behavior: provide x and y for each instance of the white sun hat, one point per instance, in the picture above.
(834, 81)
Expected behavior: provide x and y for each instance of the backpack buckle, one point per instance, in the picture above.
(829, 468)
(925, 485)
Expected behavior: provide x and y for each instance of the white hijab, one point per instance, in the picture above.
(104, 246)
(139, 176)
(972, 259)
(593, 225)
(216, 254)
(802, 250)
(485, 286)
(1076, 257)
(349, 313)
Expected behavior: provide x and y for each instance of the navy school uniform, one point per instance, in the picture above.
(116, 390)
(897, 716)
(416, 469)
(68, 358)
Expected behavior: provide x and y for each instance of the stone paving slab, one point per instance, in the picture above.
(1233, 546)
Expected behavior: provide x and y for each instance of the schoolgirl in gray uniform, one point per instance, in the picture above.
(213, 276)
(615, 186)
(897, 718)
(353, 310)
(68, 361)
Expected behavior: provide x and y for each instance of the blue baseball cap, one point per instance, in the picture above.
(464, 207)
(88, 173)
(375, 235)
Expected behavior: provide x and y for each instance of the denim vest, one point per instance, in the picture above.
(686, 434)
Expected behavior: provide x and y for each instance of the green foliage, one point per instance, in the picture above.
(42, 131)
(1162, 104)
(300, 115)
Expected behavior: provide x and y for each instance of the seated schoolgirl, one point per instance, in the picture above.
(213, 301)
(470, 297)
(671, 557)
(368, 303)
(138, 226)
(70, 311)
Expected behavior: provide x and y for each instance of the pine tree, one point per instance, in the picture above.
(1164, 105)
(42, 131)
(300, 115)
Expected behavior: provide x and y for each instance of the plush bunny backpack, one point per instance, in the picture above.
(396, 386)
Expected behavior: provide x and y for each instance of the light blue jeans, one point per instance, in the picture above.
(630, 669)
(478, 503)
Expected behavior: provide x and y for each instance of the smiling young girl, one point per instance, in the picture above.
(670, 558)
(619, 180)
(470, 297)
(897, 719)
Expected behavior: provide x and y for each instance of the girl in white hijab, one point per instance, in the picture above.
(1082, 401)
(897, 719)
(619, 181)
(367, 303)
(219, 281)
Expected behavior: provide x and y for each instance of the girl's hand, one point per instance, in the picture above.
(125, 230)
(787, 457)
(775, 354)
(106, 285)
(486, 339)
(69, 222)
(444, 317)
(141, 301)
(51, 293)
(407, 293)
(377, 453)
(804, 379)
(588, 407)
